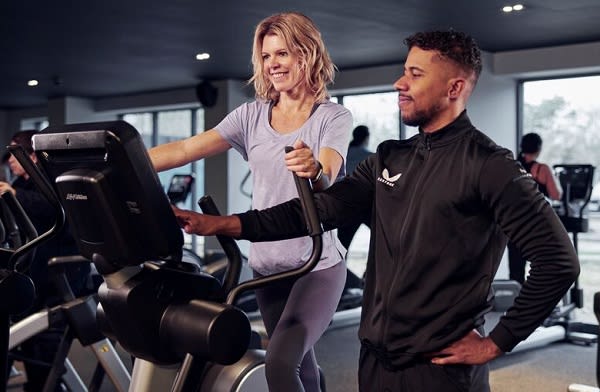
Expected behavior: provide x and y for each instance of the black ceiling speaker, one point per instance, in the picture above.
(207, 94)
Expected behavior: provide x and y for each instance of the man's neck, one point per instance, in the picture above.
(442, 120)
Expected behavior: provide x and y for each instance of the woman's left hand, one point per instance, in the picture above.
(302, 161)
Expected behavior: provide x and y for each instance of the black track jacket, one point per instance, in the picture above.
(442, 206)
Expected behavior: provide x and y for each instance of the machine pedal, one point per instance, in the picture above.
(582, 338)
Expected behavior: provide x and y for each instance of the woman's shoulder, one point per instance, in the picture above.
(255, 105)
(542, 167)
(330, 111)
(249, 110)
(541, 171)
(334, 107)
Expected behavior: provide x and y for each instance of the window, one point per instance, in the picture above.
(409, 131)
(34, 123)
(566, 114)
(174, 125)
(143, 122)
(159, 127)
(379, 112)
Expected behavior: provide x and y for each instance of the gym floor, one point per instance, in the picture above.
(550, 369)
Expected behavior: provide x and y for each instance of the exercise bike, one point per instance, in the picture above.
(179, 323)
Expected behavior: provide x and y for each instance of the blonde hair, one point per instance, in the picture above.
(302, 37)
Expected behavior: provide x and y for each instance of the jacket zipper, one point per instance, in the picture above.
(403, 229)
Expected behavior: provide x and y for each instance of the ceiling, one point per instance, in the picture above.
(100, 48)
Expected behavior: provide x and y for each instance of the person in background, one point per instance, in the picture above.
(530, 149)
(358, 147)
(38, 352)
(357, 151)
(291, 71)
(443, 204)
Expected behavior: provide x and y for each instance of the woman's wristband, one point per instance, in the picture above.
(319, 174)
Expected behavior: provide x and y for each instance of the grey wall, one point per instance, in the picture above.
(493, 106)
(548, 62)
(10, 121)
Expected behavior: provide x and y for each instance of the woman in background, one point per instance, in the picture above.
(530, 149)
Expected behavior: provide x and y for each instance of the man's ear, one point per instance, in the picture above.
(457, 86)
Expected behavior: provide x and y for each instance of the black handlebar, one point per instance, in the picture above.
(232, 251)
(22, 221)
(315, 230)
(305, 192)
(36, 175)
(46, 189)
(12, 233)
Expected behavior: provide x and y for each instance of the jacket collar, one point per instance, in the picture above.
(457, 128)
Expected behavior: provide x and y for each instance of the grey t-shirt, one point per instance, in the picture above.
(247, 129)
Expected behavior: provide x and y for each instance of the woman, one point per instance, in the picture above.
(530, 149)
(291, 71)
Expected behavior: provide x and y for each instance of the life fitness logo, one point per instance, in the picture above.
(387, 179)
(76, 196)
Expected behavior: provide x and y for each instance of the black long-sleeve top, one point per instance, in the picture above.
(442, 206)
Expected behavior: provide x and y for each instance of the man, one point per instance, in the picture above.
(443, 204)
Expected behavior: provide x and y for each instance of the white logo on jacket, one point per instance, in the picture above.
(386, 179)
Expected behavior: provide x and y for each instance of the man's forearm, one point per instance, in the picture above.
(280, 222)
(227, 225)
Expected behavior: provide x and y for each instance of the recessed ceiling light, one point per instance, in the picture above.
(510, 8)
(32, 83)
(202, 56)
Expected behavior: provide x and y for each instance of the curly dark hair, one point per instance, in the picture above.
(454, 45)
(24, 139)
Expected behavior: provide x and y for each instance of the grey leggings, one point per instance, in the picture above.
(296, 313)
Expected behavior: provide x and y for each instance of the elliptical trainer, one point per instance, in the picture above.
(173, 318)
